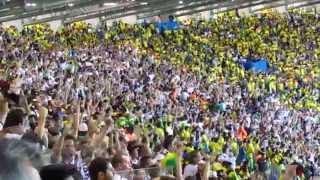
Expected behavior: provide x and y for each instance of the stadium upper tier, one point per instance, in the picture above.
(243, 91)
(39, 11)
(213, 50)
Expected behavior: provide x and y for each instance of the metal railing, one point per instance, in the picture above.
(150, 173)
(145, 173)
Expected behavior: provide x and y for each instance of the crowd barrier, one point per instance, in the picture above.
(148, 173)
(145, 173)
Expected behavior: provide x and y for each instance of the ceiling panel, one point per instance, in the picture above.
(74, 10)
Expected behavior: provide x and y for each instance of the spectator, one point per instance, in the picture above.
(14, 125)
(100, 169)
(18, 160)
(133, 96)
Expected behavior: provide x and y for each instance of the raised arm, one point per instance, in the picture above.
(209, 159)
(179, 175)
(25, 103)
(76, 121)
(117, 144)
(103, 133)
(57, 150)
(3, 109)
(43, 112)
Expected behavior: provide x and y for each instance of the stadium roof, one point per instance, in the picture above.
(74, 10)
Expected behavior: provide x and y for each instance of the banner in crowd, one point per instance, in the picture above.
(168, 25)
(258, 65)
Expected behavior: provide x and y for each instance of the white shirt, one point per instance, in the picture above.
(190, 170)
(81, 167)
(185, 95)
(118, 177)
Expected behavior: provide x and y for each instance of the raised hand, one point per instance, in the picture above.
(43, 112)
(4, 109)
(3, 105)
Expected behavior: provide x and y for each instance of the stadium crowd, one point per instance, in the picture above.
(134, 102)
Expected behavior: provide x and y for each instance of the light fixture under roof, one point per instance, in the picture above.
(144, 3)
(31, 4)
(70, 4)
(180, 2)
(110, 4)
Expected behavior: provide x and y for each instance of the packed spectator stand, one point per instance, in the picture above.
(162, 101)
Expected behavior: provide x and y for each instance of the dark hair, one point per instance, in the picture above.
(59, 172)
(14, 118)
(193, 155)
(13, 98)
(144, 162)
(168, 141)
(69, 137)
(99, 164)
(116, 160)
(132, 146)
(171, 17)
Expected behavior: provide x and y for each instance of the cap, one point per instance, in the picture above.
(83, 127)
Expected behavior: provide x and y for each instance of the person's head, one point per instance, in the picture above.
(121, 162)
(99, 169)
(171, 18)
(134, 153)
(87, 153)
(201, 167)
(59, 172)
(144, 150)
(133, 149)
(18, 160)
(196, 157)
(15, 119)
(69, 149)
(55, 125)
(146, 162)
